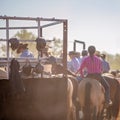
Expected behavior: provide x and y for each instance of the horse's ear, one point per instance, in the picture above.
(27, 68)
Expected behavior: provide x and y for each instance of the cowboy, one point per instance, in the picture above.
(94, 68)
(22, 48)
(74, 63)
(84, 54)
(105, 64)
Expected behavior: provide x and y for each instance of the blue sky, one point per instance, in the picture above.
(96, 22)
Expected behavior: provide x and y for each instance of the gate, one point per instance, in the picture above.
(45, 98)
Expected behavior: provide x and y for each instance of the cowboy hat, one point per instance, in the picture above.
(21, 46)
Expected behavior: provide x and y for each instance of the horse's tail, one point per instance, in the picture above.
(87, 101)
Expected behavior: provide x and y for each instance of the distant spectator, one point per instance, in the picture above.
(73, 64)
(105, 64)
(97, 53)
(25, 52)
(84, 53)
(78, 56)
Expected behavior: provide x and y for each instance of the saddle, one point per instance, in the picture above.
(95, 76)
(106, 88)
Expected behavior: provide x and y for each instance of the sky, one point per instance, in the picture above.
(96, 22)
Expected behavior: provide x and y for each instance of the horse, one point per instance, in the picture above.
(72, 89)
(70, 102)
(74, 95)
(91, 98)
(113, 111)
(16, 83)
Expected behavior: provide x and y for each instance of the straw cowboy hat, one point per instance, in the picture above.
(21, 46)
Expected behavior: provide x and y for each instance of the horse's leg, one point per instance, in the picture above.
(94, 112)
(73, 113)
(77, 106)
(71, 109)
(109, 113)
(101, 114)
(116, 103)
(74, 97)
(81, 115)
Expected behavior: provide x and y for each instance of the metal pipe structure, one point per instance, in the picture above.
(31, 18)
(65, 32)
(31, 27)
(80, 42)
(39, 28)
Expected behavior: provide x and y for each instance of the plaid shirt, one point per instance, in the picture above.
(92, 64)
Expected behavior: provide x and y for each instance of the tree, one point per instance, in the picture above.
(114, 61)
(56, 44)
(25, 35)
(57, 47)
(2, 50)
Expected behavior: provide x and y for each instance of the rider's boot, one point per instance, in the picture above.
(108, 102)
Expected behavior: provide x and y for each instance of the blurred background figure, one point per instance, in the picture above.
(84, 53)
(73, 64)
(78, 57)
(24, 51)
(97, 53)
(105, 64)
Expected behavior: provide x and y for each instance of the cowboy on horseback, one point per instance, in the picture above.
(94, 69)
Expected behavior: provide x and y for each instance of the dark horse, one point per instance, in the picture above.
(91, 98)
(16, 83)
(113, 111)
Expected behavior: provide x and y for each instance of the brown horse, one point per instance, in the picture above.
(74, 95)
(71, 107)
(91, 98)
(113, 111)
